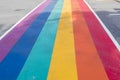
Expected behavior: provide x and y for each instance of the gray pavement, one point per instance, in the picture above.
(11, 11)
(109, 13)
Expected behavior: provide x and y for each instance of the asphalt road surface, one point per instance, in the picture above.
(61, 40)
(12, 11)
(109, 13)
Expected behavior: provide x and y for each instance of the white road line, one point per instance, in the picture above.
(114, 14)
(105, 28)
(21, 20)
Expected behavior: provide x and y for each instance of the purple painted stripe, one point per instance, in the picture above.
(9, 40)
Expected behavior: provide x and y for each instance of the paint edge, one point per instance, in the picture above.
(19, 21)
(104, 27)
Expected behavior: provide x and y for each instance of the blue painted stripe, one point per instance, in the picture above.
(38, 62)
(14, 61)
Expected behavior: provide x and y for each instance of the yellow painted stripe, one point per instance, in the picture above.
(63, 63)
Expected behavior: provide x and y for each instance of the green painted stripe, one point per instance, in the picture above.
(38, 62)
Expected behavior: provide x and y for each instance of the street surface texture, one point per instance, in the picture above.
(109, 12)
(11, 11)
(62, 40)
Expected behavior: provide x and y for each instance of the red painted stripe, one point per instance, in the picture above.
(109, 54)
(89, 66)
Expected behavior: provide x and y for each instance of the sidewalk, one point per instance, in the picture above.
(12, 11)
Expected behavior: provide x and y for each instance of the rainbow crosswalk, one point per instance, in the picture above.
(60, 40)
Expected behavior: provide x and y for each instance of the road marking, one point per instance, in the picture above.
(63, 63)
(114, 14)
(14, 35)
(21, 50)
(108, 52)
(39, 59)
(104, 27)
(87, 58)
(21, 20)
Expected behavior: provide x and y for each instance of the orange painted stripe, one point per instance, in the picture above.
(89, 66)
(107, 50)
